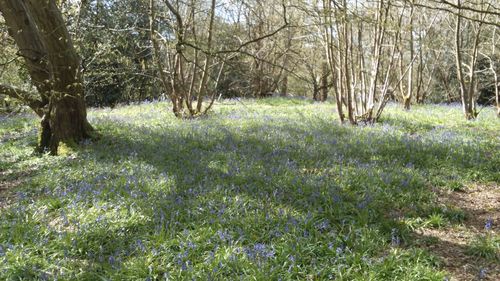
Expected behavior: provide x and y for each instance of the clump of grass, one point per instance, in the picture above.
(436, 220)
(456, 186)
(486, 246)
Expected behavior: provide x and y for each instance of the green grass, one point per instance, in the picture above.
(485, 246)
(254, 191)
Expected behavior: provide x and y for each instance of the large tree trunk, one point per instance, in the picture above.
(54, 66)
(22, 28)
(66, 121)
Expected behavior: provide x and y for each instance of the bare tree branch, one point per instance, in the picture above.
(23, 96)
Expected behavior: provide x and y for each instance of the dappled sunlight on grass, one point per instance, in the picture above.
(253, 191)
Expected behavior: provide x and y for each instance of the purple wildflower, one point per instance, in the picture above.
(483, 273)
(323, 226)
(140, 245)
(489, 224)
(339, 250)
(395, 240)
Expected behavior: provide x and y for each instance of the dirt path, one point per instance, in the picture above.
(451, 244)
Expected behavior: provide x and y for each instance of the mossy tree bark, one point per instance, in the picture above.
(40, 33)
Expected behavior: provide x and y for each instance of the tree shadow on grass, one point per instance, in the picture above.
(250, 184)
(455, 257)
(310, 176)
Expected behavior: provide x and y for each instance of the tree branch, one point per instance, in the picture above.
(23, 96)
(452, 7)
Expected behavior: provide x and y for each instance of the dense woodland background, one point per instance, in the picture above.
(360, 52)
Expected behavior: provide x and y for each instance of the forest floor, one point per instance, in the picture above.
(273, 189)
(452, 244)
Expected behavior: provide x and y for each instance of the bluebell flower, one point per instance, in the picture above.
(224, 235)
(489, 224)
(44, 276)
(190, 245)
(250, 254)
(259, 247)
(395, 240)
(269, 254)
(140, 245)
(323, 226)
(99, 219)
(405, 183)
(211, 256)
(483, 273)
(339, 250)
(286, 229)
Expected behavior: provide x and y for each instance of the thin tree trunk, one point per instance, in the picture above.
(286, 58)
(458, 61)
(497, 95)
(345, 65)
(407, 98)
(466, 93)
(208, 60)
(156, 50)
(324, 81)
(330, 55)
(494, 71)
